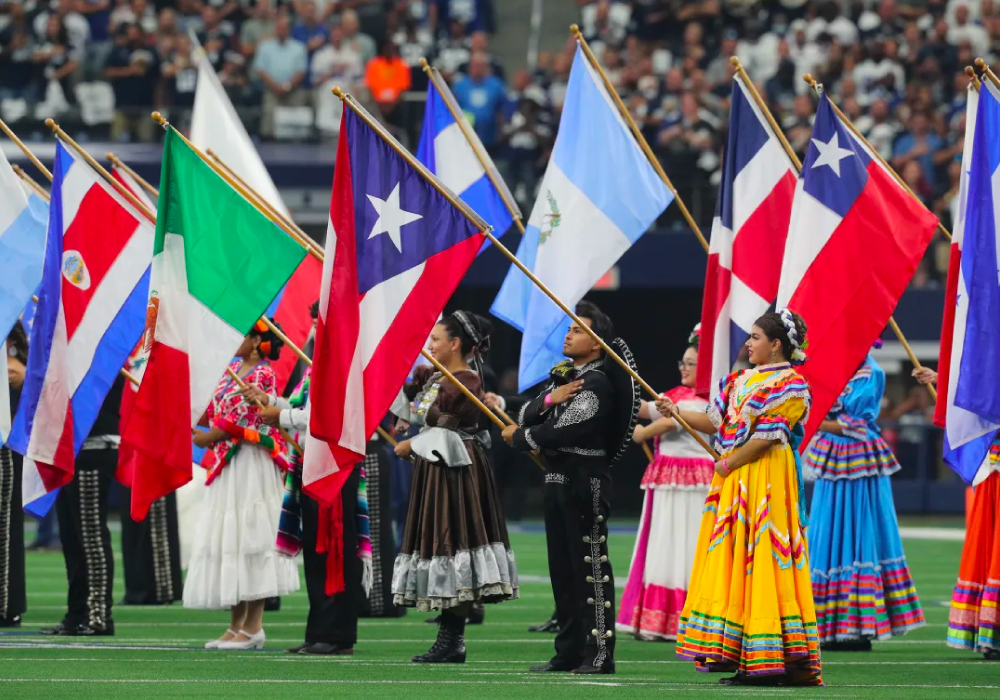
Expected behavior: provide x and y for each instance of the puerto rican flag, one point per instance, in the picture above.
(854, 241)
(91, 311)
(396, 249)
(748, 237)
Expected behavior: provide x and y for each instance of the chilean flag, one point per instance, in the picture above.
(396, 249)
(968, 406)
(91, 311)
(854, 241)
(748, 237)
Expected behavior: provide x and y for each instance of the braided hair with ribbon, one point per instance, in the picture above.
(788, 328)
(473, 334)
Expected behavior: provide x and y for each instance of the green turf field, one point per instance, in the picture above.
(157, 651)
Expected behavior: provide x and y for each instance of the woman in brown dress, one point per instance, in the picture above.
(455, 550)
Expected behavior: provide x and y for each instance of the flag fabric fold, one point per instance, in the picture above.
(748, 237)
(396, 250)
(598, 196)
(218, 263)
(91, 311)
(446, 150)
(854, 240)
(968, 406)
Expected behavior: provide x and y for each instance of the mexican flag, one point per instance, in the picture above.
(218, 263)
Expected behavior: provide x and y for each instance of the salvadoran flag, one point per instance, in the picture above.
(969, 380)
(91, 310)
(449, 149)
(854, 240)
(599, 195)
(22, 248)
(396, 250)
(748, 237)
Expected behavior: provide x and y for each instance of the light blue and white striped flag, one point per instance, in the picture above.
(599, 195)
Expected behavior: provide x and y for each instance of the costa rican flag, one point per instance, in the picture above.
(396, 249)
(748, 237)
(91, 311)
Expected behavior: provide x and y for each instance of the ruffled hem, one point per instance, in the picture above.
(486, 574)
(657, 616)
(245, 578)
(973, 622)
(667, 471)
(833, 458)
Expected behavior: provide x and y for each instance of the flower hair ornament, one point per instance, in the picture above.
(799, 345)
(695, 338)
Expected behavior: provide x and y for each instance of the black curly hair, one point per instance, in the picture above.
(18, 340)
(270, 344)
(774, 328)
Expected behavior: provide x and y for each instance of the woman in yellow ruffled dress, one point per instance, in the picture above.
(749, 607)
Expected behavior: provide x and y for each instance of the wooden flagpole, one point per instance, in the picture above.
(287, 436)
(643, 144)
(24, 149)
(486, 229)
(463, 125)
(798, 166)
(971, 72)
(35, 187)
(985, 70)
(133, 174)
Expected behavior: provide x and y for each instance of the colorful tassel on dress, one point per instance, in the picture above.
(364, 534)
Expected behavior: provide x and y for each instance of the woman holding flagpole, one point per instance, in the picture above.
(454, 550)
(235, 563)
(861, 583)
(973, 623)
(749, 608)
(675, 483)
(13, 602)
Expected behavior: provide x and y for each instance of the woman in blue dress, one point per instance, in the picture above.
(861, 583)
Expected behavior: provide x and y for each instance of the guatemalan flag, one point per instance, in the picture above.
(854, 241)
(599, 195)
(449, 149)
(22, 247)
(969, 378)
(396, 249)
(748, 237)
(91, 310)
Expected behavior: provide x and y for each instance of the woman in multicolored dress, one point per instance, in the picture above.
(861, 583)
(973, 622)
(455, 550)
(749, 608)
(675, 484)
(235, 563)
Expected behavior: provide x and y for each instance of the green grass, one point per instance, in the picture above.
(918, 665)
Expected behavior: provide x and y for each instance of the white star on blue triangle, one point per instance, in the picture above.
(831, 153)
(391, 217)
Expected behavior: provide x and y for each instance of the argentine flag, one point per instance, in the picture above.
(972, 412)
(598, 196)
(446, 150)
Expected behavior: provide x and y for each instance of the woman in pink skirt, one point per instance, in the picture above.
(676, 484)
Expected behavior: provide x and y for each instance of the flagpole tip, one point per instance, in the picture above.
(110, 156)
(809, 79)
(424, 65)
(735, 60)
(159, 118)
(575, 30)
(51, 123)
(980, 64)
(970, 71)
(338, 92)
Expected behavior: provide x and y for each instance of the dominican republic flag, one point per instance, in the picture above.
(396, 249)
(91, 311)
(449, 149)
(748, 237)
(854, 241)
(968, 405)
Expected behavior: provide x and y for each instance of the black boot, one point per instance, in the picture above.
(550, 625)
(450, 645)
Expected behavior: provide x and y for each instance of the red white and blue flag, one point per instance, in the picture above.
(748, 237)
(396, 249)
(91, 311)
(854, 241)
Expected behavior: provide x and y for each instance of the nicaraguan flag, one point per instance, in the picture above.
(446, 150)
(972, 412)
(599, 195)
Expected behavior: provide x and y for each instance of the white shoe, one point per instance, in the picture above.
(214, 644)
(255, 641)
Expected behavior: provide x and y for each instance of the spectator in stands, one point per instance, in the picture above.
(962, 28)
(134, 12)
(76, 26)
(97, 14)
(189, 15)
(233, 77)
(228, 11)
(359, 41)
(280, 65)
(388, 77)
(413, 43)
(798, 125)
(216, 37)
(879, 75)
(471, 14)
(58, 60)
(604, 23)
(919, 143)
(17, 51)
(259, 26)
(180, 74)
(337, 63)
(134, 74)
(309, 29)
(167, 32)
(453, 51)
(527, 136)
(558, 82)
(479, 43)
(482, 95)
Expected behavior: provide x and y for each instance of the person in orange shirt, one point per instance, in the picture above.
(387, 77)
